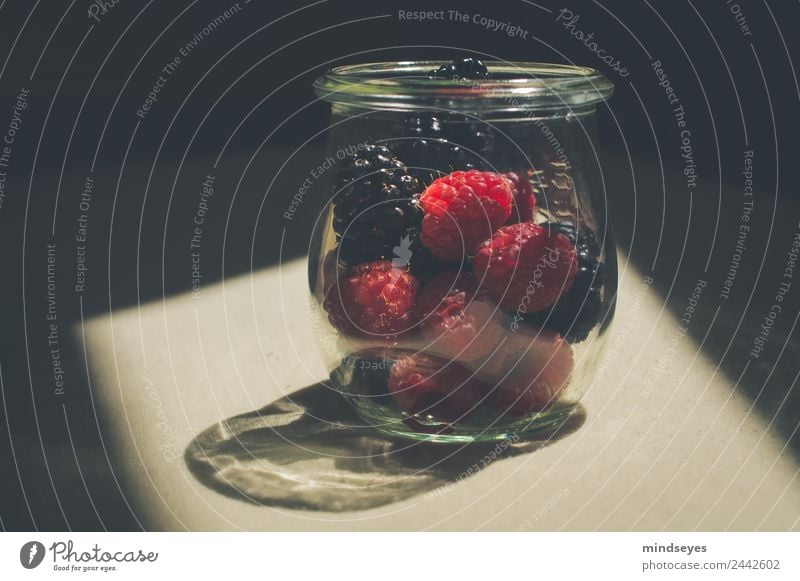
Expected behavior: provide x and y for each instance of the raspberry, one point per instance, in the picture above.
(528, 372)
(455, 322)
(374, 298)
(432, 387)
(524, 201)
(443, 287)
(461, 210)
(526, 267)
(467, 68)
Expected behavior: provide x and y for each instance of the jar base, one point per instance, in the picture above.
(558, 420)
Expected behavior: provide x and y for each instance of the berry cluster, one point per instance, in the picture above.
(578, 311)
(437, 255)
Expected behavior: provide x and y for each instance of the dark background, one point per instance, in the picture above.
(235, 96)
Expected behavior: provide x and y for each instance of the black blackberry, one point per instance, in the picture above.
(436, 145)
(376, 203)
(577, 312)
(585, 243)
(405, 252)
(431, 158)
(421, 262)
(479, 138)
(467, 68)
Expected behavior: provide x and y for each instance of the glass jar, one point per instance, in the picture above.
(462, 266)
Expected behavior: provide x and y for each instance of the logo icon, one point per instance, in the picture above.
(402, 253)
(31, 554)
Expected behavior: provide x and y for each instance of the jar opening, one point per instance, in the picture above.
(513, 86)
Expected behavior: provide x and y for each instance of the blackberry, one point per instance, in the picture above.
(422, 145)
(434, 146)
(405, 251)
(375, 206)
(577, 312)
(421, 262)
(467, 68)
(478, 139)
(432, 158)
(585, 243)
(353, 251)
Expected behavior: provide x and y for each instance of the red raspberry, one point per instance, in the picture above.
(374, 298)
(528, 372)
(427, 385)
(524, 202)
(526, 267)
(456, 321)
(461, 209)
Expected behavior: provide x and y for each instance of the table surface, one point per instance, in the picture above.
(195, 391)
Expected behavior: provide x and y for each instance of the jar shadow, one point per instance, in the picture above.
(309, 451)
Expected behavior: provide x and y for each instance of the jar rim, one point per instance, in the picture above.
(514, 86)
